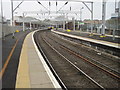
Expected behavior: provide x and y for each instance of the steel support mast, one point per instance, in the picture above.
(103, 17)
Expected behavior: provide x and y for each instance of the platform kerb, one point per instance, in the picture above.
(106, 43)
(31, 71)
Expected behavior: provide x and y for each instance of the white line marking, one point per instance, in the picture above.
(50, 74)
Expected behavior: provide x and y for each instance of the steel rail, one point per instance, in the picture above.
(79, 44)
(76, 54)
(100, 86)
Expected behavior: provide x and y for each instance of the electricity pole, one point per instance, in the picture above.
(12, 21)
(23, 22)
(103, 16)
(81, 17)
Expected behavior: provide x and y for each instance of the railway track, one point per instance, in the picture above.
(102, 48)
(101, 66)
(114, 71)
(75, 66)
(96, 49)
(97, 64)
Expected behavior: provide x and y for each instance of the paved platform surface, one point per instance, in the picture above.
(108, 38)
(10, 58)
(97, 41)
(32, 70)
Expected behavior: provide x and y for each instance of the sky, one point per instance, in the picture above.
(32, 5)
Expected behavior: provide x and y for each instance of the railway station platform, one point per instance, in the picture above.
(33, 71)
(95, 38)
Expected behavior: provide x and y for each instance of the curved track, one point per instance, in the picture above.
(72, 67)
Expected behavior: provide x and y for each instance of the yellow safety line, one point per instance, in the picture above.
(23, 78)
